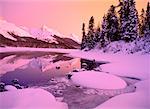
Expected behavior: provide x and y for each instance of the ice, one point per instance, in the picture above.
(98, 80)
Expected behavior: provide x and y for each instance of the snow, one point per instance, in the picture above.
(138, 46)
(29, 99)
(132, 65)
(6, 27)
(98, 80)
(129, 65)
(42, 34)
(54, 32)
(10, 88)
(137, 100)
(75, 37)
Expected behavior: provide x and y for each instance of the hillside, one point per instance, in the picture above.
(12, 35)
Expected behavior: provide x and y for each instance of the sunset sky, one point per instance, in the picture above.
(66, 16)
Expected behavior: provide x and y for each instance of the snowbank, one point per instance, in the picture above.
(29, 99)
(137, 100)
(10, 88)
(138, 46)
(99, 80)
(131, 65)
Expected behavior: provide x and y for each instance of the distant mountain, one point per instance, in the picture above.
(12, 35)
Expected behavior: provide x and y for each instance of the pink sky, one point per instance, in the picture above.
(66, 16)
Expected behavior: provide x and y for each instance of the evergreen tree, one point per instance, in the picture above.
(142, 23)
(91, 34)
(97, 34)
(147, 20)
(103, 33)
(83, 43)
(128, 20)
(113, 25)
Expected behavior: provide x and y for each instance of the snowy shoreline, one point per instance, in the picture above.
(134, 66)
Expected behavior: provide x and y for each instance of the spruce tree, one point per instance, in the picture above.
(142, 23)
(103, 33)
(83, 43)
(147, 20)
(91, 34)
(128, 20)
(97, 34)
(113, 25)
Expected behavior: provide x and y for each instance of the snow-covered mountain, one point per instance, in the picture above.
(6, 27)
(45, 32)
(12, 35)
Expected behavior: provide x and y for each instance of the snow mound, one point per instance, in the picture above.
(99, 80)
(6, 27)
(131, 65)
(10, 88)
(29, 98)
(136, 100)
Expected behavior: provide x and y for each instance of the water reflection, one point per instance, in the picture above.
(39, 68)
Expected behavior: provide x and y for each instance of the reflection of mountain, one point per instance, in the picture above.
(35, 67)
(11, 35)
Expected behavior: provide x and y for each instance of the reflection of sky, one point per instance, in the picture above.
(32, 71)
(65, 16)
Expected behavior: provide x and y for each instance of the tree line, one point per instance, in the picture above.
(124, 24)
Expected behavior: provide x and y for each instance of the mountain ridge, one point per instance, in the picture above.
(12, 35)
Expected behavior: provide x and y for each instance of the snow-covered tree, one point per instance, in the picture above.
(97, 34)
(142, 23)
(103, 33)
(91, 34)
(113, 25)
(147, 20)
(83, 43)
(129, 22)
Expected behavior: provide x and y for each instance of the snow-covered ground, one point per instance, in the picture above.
(29, 99)
(137, 100)
(98, 80)
(133, 65)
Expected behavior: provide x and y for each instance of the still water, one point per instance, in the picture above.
(35, 67)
